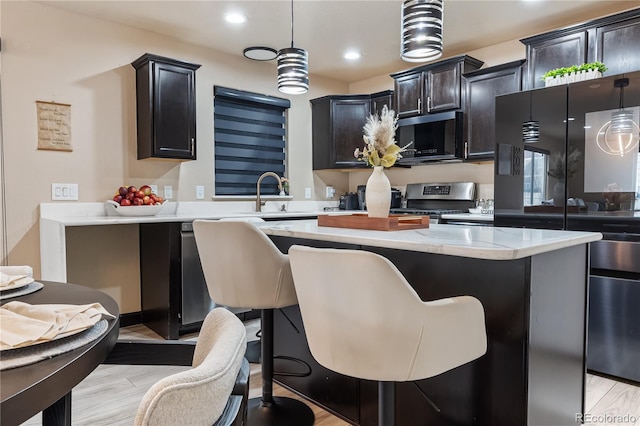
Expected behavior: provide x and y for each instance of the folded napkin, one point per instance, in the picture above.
(17, 270)
(8, 282)
(22, 324)
(15, 276)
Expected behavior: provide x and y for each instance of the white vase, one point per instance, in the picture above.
(378, 193)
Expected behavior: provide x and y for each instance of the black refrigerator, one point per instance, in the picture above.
(567, 157)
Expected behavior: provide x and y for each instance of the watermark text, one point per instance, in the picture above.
(607, 418)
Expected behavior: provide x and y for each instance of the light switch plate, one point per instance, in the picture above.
(307, 193)
(199, 192)
(168, 192)
(154, 189)
(64, 191)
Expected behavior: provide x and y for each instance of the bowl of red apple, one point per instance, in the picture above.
(132, 201)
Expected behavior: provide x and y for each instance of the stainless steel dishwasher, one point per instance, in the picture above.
(614, 302)
(195, 300)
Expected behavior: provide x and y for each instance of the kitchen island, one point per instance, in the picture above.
(533, 286)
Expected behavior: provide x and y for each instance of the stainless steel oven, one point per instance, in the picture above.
(436, 199)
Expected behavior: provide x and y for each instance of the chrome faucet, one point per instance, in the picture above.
(260, 203)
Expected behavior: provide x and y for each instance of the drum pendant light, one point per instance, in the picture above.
(421, 30)
(293, 74)
(531, 128)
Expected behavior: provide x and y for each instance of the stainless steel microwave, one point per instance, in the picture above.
(434, 137)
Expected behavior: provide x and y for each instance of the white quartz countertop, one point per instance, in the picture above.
(455, 240)
(88, 214)
(472, 217)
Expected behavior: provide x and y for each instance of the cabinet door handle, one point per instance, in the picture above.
(193, 142)
(419, 106)
(466, 149)
(428, 103)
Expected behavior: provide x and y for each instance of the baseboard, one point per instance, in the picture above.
(130, 318)
(134, 318)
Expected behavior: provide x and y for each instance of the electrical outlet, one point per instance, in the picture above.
(199, 192)
(168, 192)
(64, 191)
(154, 189)
(329, 192)
(307, 193)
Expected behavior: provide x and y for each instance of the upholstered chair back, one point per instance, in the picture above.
(242, 267)
(198, 396)
(363, 319)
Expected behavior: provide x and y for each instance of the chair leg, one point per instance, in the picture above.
(386, 403)
(273, 410)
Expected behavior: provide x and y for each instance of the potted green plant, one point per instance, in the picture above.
(564, 75)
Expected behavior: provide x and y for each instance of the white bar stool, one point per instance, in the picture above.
(412, 340)
(244, 269)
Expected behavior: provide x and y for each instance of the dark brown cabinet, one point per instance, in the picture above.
(409, 92)
(481, 88)
(166, 107)
(432, 88)
(618, 45)
(545, 55)
(612, 40)
(337, 123)
(380, 99)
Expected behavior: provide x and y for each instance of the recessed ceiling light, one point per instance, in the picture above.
(352, 55)
(235, 18)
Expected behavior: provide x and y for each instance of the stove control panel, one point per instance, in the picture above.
(457, 191)
(436, 190)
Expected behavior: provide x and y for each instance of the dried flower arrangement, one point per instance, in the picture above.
(557, 166)
(380, 147)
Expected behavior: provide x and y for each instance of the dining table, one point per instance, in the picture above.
(45, 386)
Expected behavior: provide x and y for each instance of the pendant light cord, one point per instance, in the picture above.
(292, 23)
(530, 106)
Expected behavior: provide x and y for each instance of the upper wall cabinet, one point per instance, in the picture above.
(380, 99)
(618, 45)
(612, 40)
(336, 126)
(432, 88)
(166, 107)
(481, 88)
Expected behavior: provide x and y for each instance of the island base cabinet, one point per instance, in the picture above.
(533, 372)
(160, 278)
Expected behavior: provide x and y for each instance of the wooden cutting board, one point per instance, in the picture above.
(395, 222)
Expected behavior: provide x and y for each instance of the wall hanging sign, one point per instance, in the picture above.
(54, 126)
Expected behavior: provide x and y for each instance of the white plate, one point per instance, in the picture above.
(21, 282)
(133, 210)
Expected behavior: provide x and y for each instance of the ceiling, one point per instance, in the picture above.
(327, 28)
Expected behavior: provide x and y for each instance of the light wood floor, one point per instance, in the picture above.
(110, 395)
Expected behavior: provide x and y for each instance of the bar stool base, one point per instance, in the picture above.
(281, 412)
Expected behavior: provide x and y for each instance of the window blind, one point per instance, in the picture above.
(249, 136)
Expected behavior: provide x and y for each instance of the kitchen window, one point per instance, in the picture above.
(249, 139)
